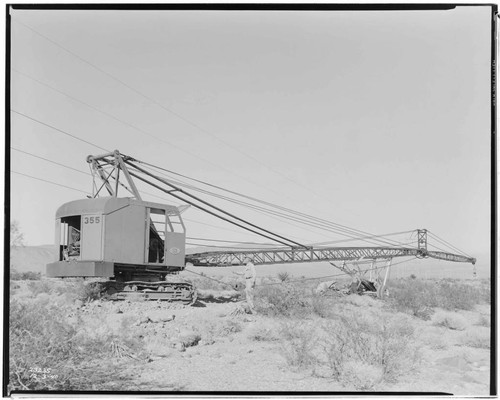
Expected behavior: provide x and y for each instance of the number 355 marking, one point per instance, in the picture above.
(91, 220)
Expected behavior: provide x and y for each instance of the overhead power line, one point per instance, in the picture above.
(170, 111)
(47, 181)
(50, 161)
(58, 130)
(142, 131)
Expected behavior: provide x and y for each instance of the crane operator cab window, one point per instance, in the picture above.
(156, 238)
(69, 248)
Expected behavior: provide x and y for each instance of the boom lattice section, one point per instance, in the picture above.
(296, 255)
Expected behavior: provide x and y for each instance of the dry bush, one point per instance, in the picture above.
(477, 337)
(458, 296)
(283, 276)
(418, 297)
(46, 352)
(42, 286)
(25, 276)
(361, 375)
(414, 297)
(281, 300)
(450, 320)
(299, 346)
(321, 306)
(485, 290)
(383, 346)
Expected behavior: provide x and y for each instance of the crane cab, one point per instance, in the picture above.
(103, 237)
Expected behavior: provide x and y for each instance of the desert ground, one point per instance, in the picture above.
(428, 335)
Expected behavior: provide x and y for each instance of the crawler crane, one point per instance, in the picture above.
(136, 244)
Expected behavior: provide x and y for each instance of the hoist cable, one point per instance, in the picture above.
(211, 212)
(345, 229)
(218, 209)
(306, 222)
(448, 244)
(229, 248)
(229, 241)
(239, 202)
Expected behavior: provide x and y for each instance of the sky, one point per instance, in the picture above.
(379, 121)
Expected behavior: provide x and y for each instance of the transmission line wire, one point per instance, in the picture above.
(187, 121)
(50, 161)
(143, 131)
(58, 130)
(47, 181)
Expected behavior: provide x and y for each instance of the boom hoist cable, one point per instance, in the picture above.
(341, 229)
(177, 192)
(131, 163)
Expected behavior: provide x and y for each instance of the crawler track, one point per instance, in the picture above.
(178, 292)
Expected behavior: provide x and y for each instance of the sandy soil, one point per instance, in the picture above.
(206, 347)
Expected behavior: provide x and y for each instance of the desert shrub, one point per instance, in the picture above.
(450, 320)
(42, 286)
(46, 352)
(362, 375)
(299, 345)
(320, 306)
(414, 297)
(418, 297)
(283, 276)
(25, 276)
(458, 296)
(281, 300)
(89, 291)
(485, 291)
(229, 327)
(478, 338)
(355, 349)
